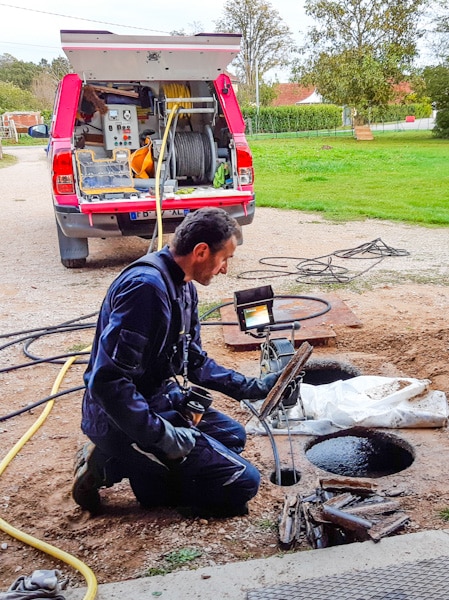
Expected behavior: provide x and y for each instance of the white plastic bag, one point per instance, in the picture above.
(365, 401)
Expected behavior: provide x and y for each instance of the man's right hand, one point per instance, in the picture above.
(177, 442)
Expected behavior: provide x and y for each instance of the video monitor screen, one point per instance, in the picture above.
(256, 316)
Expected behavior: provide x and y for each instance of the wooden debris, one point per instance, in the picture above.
(387, 525)
(290, 522)
(374, 508)
(353, 485)
(340, 500)
(345, 519)
(352, 511)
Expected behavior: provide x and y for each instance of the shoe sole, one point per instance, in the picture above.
(86, 484)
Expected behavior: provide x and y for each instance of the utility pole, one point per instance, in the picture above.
(257, 86)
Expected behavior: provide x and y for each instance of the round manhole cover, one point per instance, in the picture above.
(360, 453)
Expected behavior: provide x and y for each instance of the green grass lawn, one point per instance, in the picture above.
(401, 176)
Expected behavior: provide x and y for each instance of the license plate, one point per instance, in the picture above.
(151, 214)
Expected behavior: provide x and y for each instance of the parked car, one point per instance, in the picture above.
(145, 130)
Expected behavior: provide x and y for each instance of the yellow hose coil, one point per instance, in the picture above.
(28, 539)
(177, 90)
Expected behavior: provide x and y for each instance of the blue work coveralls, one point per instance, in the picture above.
(130, 383)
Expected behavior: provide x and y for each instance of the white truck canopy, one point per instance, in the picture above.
(105, 56)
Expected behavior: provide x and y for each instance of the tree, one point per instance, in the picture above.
(266, 41)
(438, 30)
(43, 89)
(17, 72)
(14, 98)
(359, 49)
(437, 86)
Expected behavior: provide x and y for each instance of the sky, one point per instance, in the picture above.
(31, 30)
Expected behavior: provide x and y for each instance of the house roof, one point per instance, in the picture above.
(292, 93)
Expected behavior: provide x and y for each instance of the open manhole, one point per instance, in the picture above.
(285, 477)
(360, 452)
(318, 371)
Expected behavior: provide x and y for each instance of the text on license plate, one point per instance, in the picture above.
(151, 214)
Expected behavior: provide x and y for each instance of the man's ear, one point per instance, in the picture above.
(201, 251)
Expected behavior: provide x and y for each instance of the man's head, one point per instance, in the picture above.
(203, 243)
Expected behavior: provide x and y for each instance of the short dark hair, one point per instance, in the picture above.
(213, 226)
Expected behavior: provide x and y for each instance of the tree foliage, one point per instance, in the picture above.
(37, 82)
(437, 86)
(266, 41)
(13, 98)
(358, 49)
(17, 72)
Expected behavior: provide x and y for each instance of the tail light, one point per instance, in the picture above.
(63, 178)
(245, 169)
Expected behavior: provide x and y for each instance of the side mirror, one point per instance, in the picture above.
(38, 131)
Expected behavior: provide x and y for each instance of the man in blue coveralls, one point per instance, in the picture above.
(134, 406)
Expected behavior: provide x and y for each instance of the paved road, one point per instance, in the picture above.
(403, 126)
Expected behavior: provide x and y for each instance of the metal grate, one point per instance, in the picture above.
(423, 580)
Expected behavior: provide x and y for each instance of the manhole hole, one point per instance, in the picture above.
(318, 371)
(360, 453)
(286, 477)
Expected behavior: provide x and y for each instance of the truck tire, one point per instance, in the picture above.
(73, 251)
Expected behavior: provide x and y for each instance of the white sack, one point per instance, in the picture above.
(365, 401)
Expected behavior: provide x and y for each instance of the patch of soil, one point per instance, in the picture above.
(404, 332)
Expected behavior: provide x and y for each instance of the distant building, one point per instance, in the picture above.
(289, 94)
(22, 120)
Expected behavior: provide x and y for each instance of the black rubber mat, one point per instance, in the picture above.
(422, 580)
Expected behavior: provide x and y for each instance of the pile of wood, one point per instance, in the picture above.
(340, 511)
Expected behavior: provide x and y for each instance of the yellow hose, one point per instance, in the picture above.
(158, 176)
(28, 539)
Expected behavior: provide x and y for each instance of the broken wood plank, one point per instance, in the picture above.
(374, 508)
(291, 370)
(340, 500)
(117, 91)
(353, 485)
(387, 525)
(315, 534)
(290, 522)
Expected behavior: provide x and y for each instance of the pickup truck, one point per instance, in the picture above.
(144, 130)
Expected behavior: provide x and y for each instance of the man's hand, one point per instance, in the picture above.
(177, 442)
(291, 392)
(270, 379)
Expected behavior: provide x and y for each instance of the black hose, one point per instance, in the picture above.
(25, 409)
(51, 359)
(277, 461)
(282, 321)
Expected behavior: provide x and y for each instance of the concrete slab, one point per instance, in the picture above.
(236, 581)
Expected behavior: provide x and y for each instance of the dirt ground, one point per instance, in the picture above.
(401, 303)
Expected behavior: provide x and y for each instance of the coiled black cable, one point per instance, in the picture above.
(322, 269)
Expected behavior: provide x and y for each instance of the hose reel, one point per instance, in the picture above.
(194, 155)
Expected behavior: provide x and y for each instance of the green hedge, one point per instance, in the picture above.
(278, 119)
(293, 118)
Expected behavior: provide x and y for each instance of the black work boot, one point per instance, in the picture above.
(89, 477)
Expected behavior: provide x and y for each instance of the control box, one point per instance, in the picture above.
(120, 127)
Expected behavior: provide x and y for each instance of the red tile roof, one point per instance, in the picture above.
(291, 93)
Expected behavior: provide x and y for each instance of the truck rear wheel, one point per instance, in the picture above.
(73, 251)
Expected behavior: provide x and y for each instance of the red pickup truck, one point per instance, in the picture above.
(145, 130)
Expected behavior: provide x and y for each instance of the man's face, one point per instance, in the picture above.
(208, 264)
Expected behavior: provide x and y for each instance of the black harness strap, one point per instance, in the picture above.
(183, 339)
